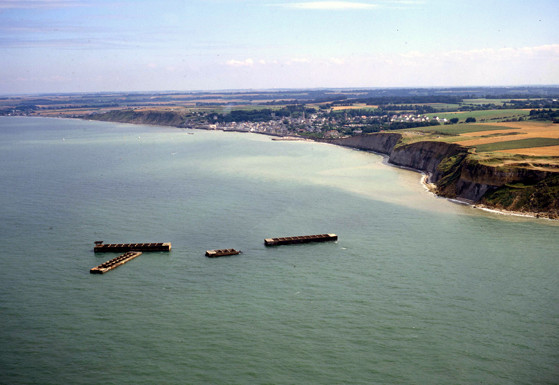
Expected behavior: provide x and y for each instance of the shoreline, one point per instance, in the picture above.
(424, 178)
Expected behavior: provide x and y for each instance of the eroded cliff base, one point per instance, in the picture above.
(540, 199)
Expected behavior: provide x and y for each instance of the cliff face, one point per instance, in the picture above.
(382, 143)
(497, 176)
(158, 118)
(425, 156)
(456, 175)
(478, 179)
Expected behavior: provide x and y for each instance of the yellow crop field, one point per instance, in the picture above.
(510, 131)
(535, 151)
(522, 138)
(525, 125)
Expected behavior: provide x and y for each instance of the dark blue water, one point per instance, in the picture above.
(416, 290)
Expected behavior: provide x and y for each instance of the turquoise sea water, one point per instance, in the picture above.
(416, 290)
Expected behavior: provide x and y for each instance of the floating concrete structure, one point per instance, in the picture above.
(300, 239)
(124, 247)
(115, 262)
(221, 252)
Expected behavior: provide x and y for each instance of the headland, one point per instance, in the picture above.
(457, 172)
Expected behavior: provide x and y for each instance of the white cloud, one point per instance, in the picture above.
(237, 63)
(549, 48)
(329, 5)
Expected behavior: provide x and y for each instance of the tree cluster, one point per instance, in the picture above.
(544, 114)
(262, 115)
(355, 113)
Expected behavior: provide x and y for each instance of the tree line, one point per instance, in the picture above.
(544, 114)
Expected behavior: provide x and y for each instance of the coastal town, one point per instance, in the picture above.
(319, 124)
(324, 114)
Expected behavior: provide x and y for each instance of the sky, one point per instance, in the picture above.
(53, 46)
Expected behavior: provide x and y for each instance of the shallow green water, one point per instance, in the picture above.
(416, 290)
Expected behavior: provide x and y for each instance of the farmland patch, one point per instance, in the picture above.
(483, 114)
(517, 144)
(536, 151)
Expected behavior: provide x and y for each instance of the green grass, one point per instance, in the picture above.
(518, 185)
(498, 102)
(451, 169)
(443, 106)
(480, 115)
(515, 144)
(500, 134)
(458, 129)
(439, 106)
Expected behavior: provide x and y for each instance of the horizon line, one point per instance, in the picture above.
(227, 90)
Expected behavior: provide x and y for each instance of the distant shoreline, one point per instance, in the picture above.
(430, 187)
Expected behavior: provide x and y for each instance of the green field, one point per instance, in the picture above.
(498, 115)
(516, 144)
(458, 129)
(497, 102)
(441, 106)
(445, 107)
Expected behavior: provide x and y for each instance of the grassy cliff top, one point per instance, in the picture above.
(528, 144)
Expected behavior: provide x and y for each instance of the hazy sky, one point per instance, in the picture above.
(148, 45)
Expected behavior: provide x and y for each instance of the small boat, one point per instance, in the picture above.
(221, 253)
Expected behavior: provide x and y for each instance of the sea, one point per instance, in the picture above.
(417, 289)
